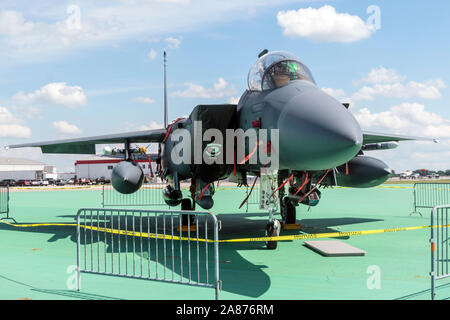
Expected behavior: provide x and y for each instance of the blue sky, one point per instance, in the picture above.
(81, 68)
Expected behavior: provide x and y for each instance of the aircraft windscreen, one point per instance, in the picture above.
(275, 69)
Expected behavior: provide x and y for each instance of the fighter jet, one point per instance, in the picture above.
(319, 143)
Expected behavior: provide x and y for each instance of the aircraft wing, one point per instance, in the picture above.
(375, 137)
(87, 145)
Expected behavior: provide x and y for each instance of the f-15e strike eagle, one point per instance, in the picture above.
(315, 140)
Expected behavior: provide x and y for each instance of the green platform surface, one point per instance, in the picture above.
(37, 263)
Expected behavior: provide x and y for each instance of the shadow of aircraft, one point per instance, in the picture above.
(66, 293)
(166, 258)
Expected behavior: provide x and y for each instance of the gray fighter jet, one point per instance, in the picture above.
(320, 143)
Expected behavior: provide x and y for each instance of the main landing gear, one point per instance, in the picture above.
(288, 211)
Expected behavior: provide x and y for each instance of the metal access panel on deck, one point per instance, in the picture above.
(334, 248)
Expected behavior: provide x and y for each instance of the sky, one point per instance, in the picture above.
(81, 68)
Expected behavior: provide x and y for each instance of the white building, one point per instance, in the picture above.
(18, 168)
(50, 172)
(101, 167)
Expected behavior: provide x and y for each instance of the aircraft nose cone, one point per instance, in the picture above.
(317, 132)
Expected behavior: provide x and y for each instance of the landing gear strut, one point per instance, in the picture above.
(272, 230)
(187, 220)
(288, 211)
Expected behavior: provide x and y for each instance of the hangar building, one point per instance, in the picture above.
(101, 167)
(18, 168)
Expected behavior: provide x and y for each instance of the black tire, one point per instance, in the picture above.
(272, 230)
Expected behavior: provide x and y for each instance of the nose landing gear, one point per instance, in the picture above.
(272, 230)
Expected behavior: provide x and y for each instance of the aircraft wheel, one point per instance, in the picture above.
(289, 212)
(186, 205)
(272, 230)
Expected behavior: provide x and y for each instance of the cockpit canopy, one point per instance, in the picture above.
(274, 69)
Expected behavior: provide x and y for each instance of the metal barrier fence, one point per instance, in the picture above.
(439, 245)
(4, 202)
(429, 195)
(150, 194)
(144, 244)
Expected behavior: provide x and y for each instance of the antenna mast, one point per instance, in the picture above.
(165, 92)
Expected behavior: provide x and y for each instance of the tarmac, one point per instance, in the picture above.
(38, 262)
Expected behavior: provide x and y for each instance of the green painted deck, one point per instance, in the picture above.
(34, 262)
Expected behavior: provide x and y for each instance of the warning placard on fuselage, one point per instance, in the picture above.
(269, 180)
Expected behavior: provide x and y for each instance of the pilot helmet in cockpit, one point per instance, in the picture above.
(275, 69)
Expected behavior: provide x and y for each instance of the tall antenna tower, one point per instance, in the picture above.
(165, 93)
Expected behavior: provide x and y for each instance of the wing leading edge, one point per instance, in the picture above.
(87, 145)
(376, 137)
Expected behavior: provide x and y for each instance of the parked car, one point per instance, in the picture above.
(83, 181)
(51, 181)
(23, 183)
(61, 182)
(39, 182)
(8, 182)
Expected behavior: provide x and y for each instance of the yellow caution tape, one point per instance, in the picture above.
(258, 239)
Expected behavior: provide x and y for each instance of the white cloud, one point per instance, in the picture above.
(152, 54)
(383, 75)
(10, 126)
(233, 100)
(12, 23)
(151, 126)
(14, 131)
(406, 118)
(162, 1)
(57, 93)
(323, 25)
(427, 90)
(220, 89)
(66, 128)
(173, 43)
(144, 100)
(388, 83)
(41, 30)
